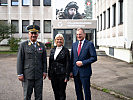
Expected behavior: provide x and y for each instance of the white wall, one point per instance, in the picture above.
(120, 36)
(129, 26)
(121, 54)
(30, 13)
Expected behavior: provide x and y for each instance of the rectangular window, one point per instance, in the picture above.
(14, 2)
(108, 17)
(3, 3)
(97, 23)
(36, 2)
(25, 2)
(25, 23)
(101, 22)
(111, 51)
(120, 11)
(15, 23)
(47, 26)
(104, 13)
(37, 22)
(114, 14)
(47, 2)
(4, 21)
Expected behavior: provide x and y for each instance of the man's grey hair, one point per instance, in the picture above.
(81, 29)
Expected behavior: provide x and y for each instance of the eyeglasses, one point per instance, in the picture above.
(33, 33)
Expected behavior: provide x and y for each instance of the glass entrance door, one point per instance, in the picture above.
(68, 38)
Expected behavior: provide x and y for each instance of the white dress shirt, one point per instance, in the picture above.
(57, 51)
(34, 43)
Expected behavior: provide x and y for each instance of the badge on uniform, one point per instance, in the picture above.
(40, 48)
(38, 44)
(29, 43)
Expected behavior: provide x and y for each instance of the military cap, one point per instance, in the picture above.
(72, 5)
(33, 28)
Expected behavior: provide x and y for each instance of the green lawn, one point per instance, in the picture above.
(8, 52)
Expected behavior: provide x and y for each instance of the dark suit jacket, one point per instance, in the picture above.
(61, 65)
(31, 61)
(87, 56)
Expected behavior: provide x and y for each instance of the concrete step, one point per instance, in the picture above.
(101, 52)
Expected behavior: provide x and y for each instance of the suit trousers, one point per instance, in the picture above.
(28, 86)
(59, 87)
(85, 83)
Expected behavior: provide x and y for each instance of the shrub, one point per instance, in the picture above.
(13, 43)
(48, 45)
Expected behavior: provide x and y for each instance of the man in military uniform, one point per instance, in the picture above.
(32, 64)
(71, 12)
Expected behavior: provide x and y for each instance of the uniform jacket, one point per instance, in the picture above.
(87, 56)
(59, 66)
(31, 61)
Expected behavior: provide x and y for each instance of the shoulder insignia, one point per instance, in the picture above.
(29, 43)
(38, 44)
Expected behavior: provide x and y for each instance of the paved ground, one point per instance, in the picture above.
(104, 74)
(113, 74)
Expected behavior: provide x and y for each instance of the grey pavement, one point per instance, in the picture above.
(107, 72)
(113, 74)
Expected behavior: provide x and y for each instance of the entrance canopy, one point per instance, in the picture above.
(73, 24)
(68, 27)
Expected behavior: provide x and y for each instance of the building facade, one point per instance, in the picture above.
(114, 27)
(25, 12)
(53, 17)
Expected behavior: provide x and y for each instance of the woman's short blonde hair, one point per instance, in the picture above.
(59, 35)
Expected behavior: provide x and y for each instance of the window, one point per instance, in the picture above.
(104, 14)
(47, 2)
(101, 21)
(4, 21)
(14, 2)
(3, 3)
(47, 26)
(25, 23)
(36, 2)
(120, 11)
(108, 18)
(97, 23)
(15, 23)
(114, 14)
(25, 2)
(111, 51)
(36, 22)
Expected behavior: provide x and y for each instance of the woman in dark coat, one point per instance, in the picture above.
(59, 70)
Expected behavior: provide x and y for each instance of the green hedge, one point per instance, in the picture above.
(13, 43)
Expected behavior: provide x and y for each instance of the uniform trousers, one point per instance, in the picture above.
(59, 87)
(29, 85)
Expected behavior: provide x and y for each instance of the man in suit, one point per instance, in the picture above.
(32, 64)
(83, 54)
